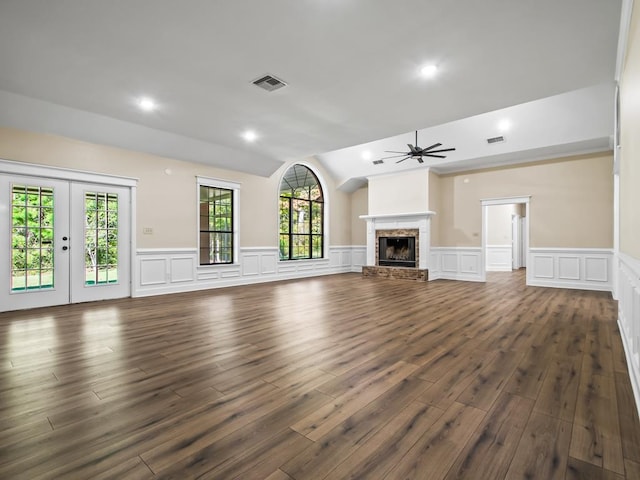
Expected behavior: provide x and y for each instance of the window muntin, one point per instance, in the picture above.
(301, 209)
(216, 225)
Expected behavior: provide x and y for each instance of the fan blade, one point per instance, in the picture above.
(412, 148)
(393, 151)
(419, 159)
(441, 150)
(393, 156)
(429, 148)
(403, 159)
(434, 156)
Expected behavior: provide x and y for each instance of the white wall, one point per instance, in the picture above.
(406, 192)
(499, 224)
(499, 237)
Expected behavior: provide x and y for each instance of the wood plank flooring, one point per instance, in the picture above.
(338, 377)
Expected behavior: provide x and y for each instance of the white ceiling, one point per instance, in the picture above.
(76, 67)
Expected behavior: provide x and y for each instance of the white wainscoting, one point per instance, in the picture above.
(629, 317)
(581, 268)
(162, 271)
(358, 257)
(456, 263)
(499, 258)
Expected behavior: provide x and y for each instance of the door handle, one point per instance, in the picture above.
(65, 248)
(65, 238)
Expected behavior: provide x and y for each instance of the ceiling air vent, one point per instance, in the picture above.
(495, 139)
(269, 83)
(378, 162)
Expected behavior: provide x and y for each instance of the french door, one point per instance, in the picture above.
(62, 242)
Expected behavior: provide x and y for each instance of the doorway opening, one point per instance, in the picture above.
(505, 235)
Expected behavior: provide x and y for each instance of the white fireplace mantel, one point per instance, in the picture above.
(390, 221)
(393, 216)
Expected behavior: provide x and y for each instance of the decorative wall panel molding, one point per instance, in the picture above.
(162, 271)
(580, 268)
(629, 317)
(456, 263)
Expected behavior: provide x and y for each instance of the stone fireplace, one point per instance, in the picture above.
(398, 245)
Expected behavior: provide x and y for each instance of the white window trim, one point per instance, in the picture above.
(235, 188)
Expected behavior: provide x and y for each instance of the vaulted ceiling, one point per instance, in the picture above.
(352, 68)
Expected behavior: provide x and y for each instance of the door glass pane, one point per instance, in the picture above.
(101, 238)
(31, 238)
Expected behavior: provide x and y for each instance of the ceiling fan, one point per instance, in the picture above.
(417, 152)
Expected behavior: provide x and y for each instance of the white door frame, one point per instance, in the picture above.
(9, 167)
(516, 241)
(502, 201)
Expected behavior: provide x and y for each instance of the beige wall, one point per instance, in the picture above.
(359, 206)
(571, 202)
(166, 202)
(499, 224)
(406, 192)
(630, 141)
(434, 206)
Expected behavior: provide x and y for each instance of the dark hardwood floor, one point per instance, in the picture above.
(339, 377)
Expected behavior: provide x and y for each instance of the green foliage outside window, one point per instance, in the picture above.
(301, 215)
(101, 238)
(31, 237)
(216, 225)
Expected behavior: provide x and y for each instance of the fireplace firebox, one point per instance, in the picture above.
(397, 251)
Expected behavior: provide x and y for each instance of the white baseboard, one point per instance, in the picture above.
(499, 258)
(164, 271)
(578, 268)
(456, 263)
(629, 317)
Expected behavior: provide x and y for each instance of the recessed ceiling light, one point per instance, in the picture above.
(366, 155)
(147, 104)
(429, 71)
(250, 136)
(504, 125)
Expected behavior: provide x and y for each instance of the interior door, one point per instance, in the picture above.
(62, 242)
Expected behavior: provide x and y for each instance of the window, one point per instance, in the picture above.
(301, 215)
(101, 238)
(217, 221)
(31, 238)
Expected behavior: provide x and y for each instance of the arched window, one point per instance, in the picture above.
(301, 215)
